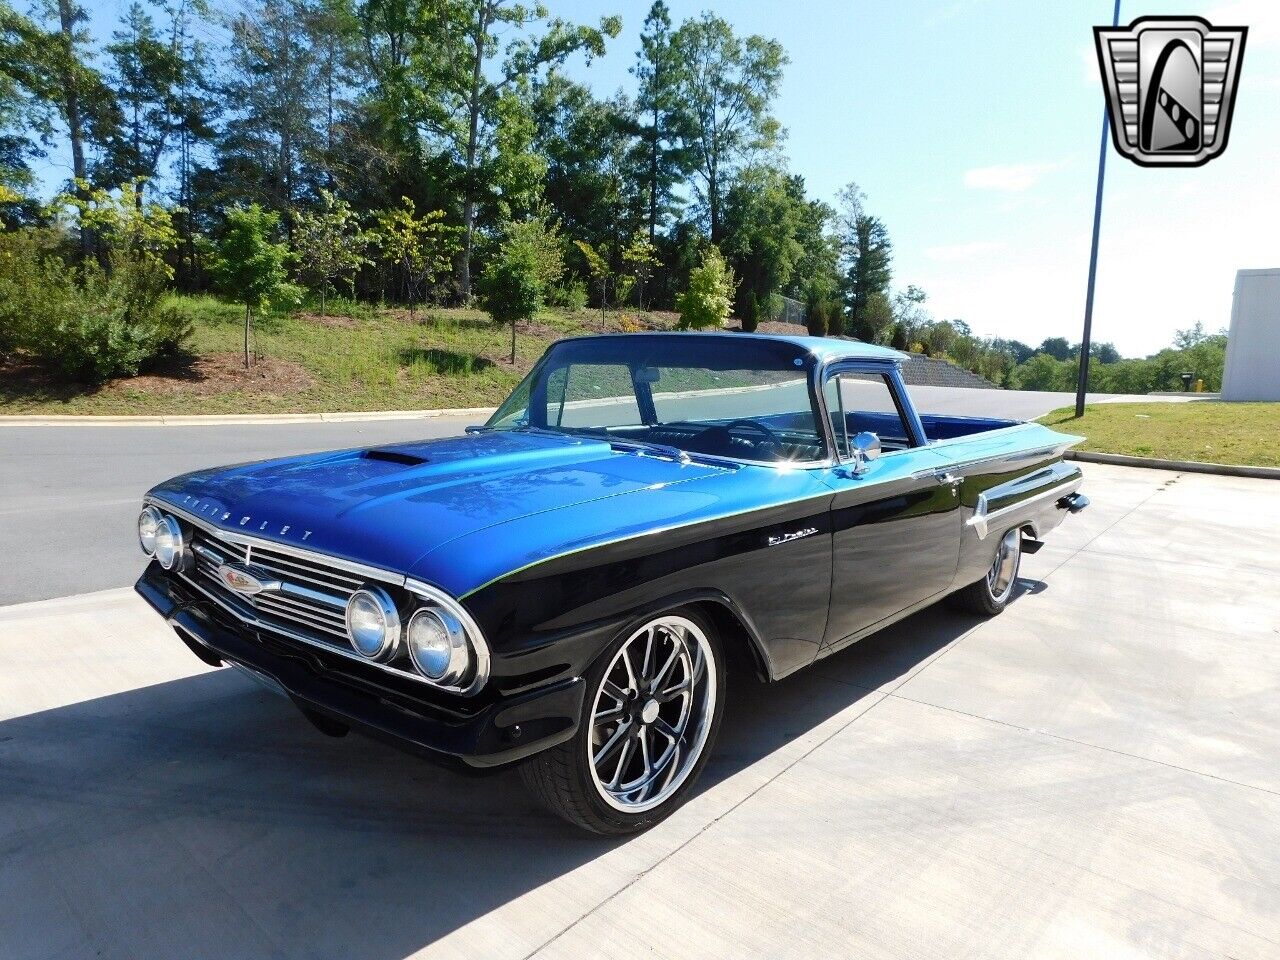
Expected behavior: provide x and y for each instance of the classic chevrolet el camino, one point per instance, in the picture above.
(564, 586)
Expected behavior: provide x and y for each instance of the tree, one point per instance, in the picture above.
(477, 99)
(665, 127)
(708, 301)
(145, 78)
(867, 254)
(273, 100)
(598, 267)
(250, 268)
(419, 247)
(515, 282)
(1057, 347)
(330, 244)
(728, 84)
(762, 219)
(640, 260)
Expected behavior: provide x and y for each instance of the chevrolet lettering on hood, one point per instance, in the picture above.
(561, 588)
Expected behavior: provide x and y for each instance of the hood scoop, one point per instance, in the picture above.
(401, 457)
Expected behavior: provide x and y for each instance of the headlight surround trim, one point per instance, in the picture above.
(480, 656)
(439, 624)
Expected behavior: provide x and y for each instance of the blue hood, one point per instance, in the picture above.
(389, 506)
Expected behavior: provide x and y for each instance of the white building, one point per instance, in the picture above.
(1253, 345)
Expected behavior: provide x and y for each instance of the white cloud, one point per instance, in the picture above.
(1009, 177)
(953, 253)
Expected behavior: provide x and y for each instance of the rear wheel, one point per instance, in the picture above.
(993, 592)
(655, 700)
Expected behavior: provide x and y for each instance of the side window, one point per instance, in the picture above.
(858, 402)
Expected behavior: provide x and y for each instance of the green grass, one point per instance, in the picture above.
(357, 358)
(1207, 431)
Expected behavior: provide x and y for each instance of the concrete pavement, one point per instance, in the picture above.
(1094, 773)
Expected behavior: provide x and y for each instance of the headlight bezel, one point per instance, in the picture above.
(151, 513)
(457, 647)
(169, 524)
(389, 643)
(430, 597)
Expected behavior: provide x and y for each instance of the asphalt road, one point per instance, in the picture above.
(1093, 773)
(69, 495)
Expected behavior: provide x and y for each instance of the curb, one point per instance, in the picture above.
(1185, 466)
(213, 420)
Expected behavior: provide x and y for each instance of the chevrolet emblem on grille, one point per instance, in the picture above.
(242, 580)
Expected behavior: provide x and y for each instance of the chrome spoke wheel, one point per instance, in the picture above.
(652, 714)
(1004, 570)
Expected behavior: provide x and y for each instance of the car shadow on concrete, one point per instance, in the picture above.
(206, 817)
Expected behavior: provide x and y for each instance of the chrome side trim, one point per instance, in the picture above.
(981, 519)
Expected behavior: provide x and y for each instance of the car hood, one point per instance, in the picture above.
(388, 506)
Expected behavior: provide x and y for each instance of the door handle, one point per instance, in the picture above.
(947, 478)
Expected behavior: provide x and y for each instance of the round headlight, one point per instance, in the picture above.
(438, 646)
(168, 542)
(148, 521)
(373, 623)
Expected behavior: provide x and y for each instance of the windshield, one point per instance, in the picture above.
(741, 398)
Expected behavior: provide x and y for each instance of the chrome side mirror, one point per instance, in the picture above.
(865, 447)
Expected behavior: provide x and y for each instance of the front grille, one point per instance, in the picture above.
(312, 597)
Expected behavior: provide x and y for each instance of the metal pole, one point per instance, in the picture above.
(1082, 383)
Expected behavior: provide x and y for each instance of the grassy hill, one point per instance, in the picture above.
(355, 358)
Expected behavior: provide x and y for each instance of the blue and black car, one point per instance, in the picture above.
(562, 587)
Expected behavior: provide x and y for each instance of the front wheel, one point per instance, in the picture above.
(655, 700)
(992, 593)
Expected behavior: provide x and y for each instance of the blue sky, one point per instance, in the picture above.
(973, 127)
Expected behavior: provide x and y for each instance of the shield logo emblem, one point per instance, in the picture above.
(1171, 87)
(241, 579)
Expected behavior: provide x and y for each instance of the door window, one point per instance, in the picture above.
(864, 402)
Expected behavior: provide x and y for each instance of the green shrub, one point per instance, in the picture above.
(709, 298)
(571, 296)
(90, 324)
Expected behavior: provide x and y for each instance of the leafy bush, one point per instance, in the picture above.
(708, 300)
(571, 296)
(90, 324)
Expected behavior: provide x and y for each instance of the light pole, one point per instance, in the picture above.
(1082, 383)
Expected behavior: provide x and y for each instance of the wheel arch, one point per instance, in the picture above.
(740, 641)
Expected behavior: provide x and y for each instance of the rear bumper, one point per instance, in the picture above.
(502, 730)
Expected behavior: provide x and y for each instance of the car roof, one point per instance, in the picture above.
(822, 348)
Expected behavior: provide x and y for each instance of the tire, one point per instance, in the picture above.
(640, 748)
(988, 596)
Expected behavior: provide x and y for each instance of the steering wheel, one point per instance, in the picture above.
(754, 425)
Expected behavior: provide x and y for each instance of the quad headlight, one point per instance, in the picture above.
(148, 522)
(438, 646)
(169, 546)
(373, 623)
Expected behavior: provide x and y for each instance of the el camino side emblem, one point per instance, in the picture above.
(241, 580)
(788, 537)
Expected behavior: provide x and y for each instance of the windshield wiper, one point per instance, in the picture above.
(645, 446)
